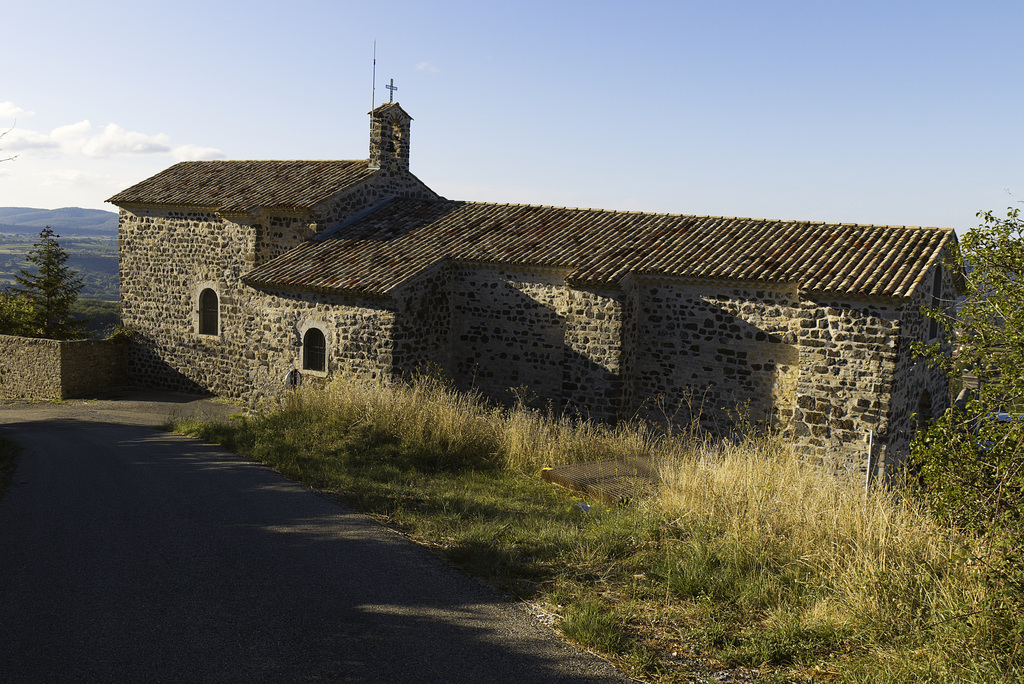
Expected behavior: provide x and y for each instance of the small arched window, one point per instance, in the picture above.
(314, 350)
(208, 313)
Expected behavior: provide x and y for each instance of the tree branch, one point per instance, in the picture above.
(11, 157)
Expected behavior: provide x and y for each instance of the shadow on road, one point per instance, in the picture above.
(132, 554)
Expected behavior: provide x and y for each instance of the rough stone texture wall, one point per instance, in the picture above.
(724, 356)
(422, 333)
(389, 140)
(508, 334)
(165, 256)
(50, 369)
(275, 235)
(29, 368)
(915, 384)
(847, 360)
(830, 373)
(358, 333)
(168, 255)
(592, 364)
(523, 333)
(91, 367)
(372, 192)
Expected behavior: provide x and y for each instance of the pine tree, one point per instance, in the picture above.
(52, 289)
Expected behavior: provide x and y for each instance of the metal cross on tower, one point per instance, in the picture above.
(392, 88)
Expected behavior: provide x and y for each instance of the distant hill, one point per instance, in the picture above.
(89, 236)
(66, 222)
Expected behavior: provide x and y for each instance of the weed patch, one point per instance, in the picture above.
(747, 557)
(594, 626)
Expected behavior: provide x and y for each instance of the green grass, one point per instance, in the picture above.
(748, 558)
(595, 626)
(8, 451)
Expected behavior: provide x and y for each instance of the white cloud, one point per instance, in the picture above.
(80, 164)
(71, 132)
(116, 141)
(427, 66)
(23, 139)
(8, 110)
(78, 139)
(196, 153)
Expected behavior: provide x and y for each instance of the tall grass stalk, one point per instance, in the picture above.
(749, 554)
(877, 562)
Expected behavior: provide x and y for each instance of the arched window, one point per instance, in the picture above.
(208, 313)
(314, 350)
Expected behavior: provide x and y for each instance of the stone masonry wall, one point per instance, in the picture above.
(168, 256)
(358, 333)
(592, 365)
(523, 333)
(260, 333)
(916, 387)
(29, 368)
(51, 369)
(723, 356)
(166, 259)
(275, 235)
(90, 367)
(508, 336)
(422, 333)
(829, 373)
(847, 360)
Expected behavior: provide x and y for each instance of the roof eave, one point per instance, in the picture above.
(131, 204)
(317, 289)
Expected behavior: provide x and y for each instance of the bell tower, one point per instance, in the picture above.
(389, 138)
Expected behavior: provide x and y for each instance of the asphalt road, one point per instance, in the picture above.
(132, 555)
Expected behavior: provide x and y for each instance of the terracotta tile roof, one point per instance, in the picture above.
(240, 186)
(379, 252)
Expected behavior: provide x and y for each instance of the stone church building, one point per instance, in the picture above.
(238, 273)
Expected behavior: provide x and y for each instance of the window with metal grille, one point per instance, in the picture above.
(314, 350)
(208, 313)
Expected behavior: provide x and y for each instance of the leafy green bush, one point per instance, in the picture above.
(969, 465)
(102, 318)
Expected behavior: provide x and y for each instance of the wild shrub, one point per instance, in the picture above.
(970, 463)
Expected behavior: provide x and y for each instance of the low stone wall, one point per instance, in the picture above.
(50, 369)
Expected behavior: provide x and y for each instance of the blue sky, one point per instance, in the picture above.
(904, 113)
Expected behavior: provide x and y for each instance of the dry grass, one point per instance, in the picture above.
(750, 556)
(822, 551)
